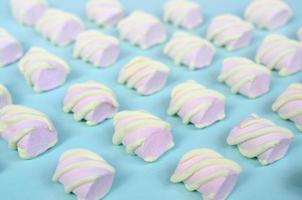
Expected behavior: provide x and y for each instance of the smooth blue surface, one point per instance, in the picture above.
(135, 179)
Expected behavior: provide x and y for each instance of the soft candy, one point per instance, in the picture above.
(197, 104)
(289, 104)
(43, 70)
(230, 31)
(84, 173)
(27, 130)
(105, 12)
(60, 27)
(280, 53)
(184, 13)
(95, 47)
(245, 77)
(300, 34)
(208, 172)
(142, 134)
(142, 29)
(268, 14)
(189, 50)
(5, 97)
(144, 74)
(260, 138)
(90, 101)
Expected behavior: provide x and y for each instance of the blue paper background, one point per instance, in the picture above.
(135, 179)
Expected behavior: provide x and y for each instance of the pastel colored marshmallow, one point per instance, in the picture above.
(27, 130)
(142, 29)
(183, 13)
(28, 12)
(90, 101)
(143, 134)
(105, 12)
(5, 97)
(208, 172)
(268, 14)
(189, 50)
(299, 33)
(260, 138)
(144, 74)
(277, 52)
(43, 70)
(97, 48)
(60, 27)
(289, 104)
(196, 104)
(84, 173)
(10, 48)
(230, 31)
(245, 77)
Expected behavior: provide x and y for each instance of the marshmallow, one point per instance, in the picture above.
(84, 173)
(207, 172)
(144, 74)
(5, 97)
(43, 70)
(300, 34)
(27, 130)
(197, 104)
(142, 29)
(143, 134)
(190, 50)
(261, 138)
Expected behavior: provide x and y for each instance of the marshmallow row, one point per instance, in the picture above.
(5, 97)
(142, 134)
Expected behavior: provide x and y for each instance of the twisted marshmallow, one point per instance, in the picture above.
(289, 104)
(93, 46)
(28, 12)
(280, 53)
(184, 13)
(230, 32)
(196, 104)
(245, 77)
(5, 97)
(91, 101)
(190, 50)
(43, 70)
(84, 173)
(10, 48)
(261, 138)
(207, 172)
(105, 12)
(27, 130)
(142, 29)
(144, 74)
(60, 27)
(300, 34)
(143, 134)
(268, 14)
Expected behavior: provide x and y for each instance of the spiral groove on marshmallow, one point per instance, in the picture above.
(190, 50)
(90, 101)
(28, 12)
(230, 32)
(289, 104)
(43, 70)
(60, 27)
(105, 12)
(280, 53)
(143, 134)
(27, 130)
(184, 13)
(10, 48)
(95, 47)
(144, 74)
(196, 104)
(261, 138)
(208, 172)
(84, 173)
(142, 29)
(245, 77)
(268, 14)
(5, 97)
